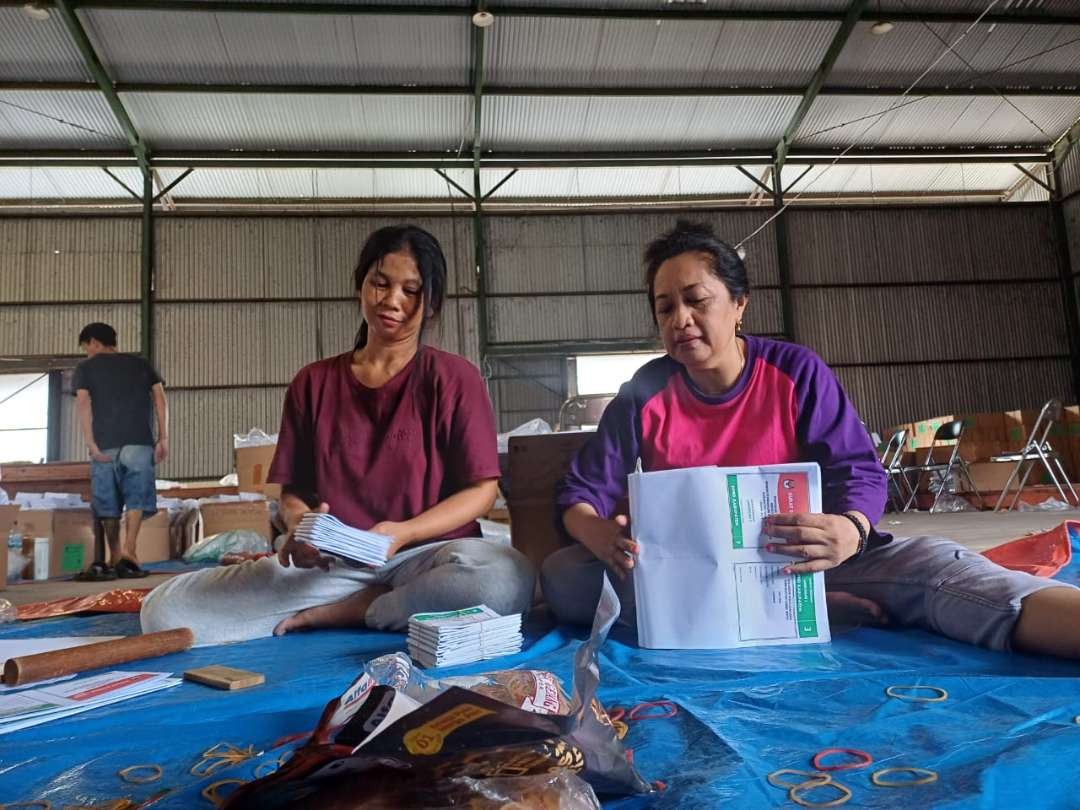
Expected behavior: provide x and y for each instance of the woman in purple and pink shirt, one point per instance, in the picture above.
(720, 397)
(393, 436)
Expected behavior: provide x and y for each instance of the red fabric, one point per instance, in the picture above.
(388, 453)
(1040, 554)
(122, 600)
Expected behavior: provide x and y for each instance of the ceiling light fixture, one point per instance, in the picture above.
(483, 19)
(881, 28)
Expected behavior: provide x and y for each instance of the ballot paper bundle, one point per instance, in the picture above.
(462, 636)
(330, 535)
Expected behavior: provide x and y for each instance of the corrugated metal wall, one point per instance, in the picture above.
(920, 311)
(244, 303)
(929, 311)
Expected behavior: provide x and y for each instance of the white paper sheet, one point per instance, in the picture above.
(703, 579)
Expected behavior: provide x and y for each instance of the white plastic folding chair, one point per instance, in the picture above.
(1037, 450)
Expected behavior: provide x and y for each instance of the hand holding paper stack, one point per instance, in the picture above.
(330, 535)
(463, 636)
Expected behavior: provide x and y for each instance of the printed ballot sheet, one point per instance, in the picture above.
(704, 579)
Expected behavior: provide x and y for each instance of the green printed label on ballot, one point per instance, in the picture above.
(805, 612)
(735, 511)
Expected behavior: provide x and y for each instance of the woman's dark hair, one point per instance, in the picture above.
(426, 252)
(696, 237)
(101, 332)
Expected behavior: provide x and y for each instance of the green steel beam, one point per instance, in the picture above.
(839, 40)
(29, 85)
(479, 226)
(104, 83)
(146, 276)
(567, 11)
(901, 155)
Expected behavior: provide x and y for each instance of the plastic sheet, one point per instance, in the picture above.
(1043, 554)
(121, 600)
(1004, 738)
(237, 541)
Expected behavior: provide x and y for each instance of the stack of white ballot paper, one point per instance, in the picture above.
(462, 636)
(32, 707)
(329, 534)
(703, 579)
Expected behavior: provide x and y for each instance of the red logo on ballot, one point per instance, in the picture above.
(793, 493)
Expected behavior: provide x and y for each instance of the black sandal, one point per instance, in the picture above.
(97, 572)
(126, 569)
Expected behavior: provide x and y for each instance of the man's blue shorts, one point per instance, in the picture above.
(128, 480)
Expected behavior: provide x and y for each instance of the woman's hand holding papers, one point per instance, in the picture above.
(608, 540)
(400, 532)
(821, 541)
(301, 555)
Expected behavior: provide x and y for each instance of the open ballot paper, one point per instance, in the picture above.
(703, 579)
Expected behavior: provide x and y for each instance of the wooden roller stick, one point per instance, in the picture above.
(40, 667)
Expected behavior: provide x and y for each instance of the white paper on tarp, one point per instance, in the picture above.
(704, 579)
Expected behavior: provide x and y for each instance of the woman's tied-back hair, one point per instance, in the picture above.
(696, 237)
(426, 252)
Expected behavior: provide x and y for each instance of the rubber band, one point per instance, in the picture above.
(864, 759)
(813, 778)
(794, 795)
(127, 775)
(219, 756)
(210, 792)
(637, 713)
(277, 763)
(615, 715)
(930, 776)
(893, 693)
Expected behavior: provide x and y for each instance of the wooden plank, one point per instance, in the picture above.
(221, 677)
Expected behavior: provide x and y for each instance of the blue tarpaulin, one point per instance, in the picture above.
(1005, 736)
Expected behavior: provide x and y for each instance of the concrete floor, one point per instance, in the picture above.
(976, 530)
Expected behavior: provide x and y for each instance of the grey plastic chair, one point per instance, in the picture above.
(1037, 449)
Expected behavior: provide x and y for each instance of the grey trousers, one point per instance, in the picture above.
(246, 601)
(928, 582)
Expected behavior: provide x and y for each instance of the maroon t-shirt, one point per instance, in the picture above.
(387, 453)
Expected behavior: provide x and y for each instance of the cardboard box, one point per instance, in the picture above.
(9, 518)
(991, 476)
(537, 464)
(909, 439)
(71, 539)
(227, 516)
(153, 543)
(253, 466)
(924, 431)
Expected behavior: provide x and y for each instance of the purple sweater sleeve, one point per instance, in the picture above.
(830, 432)
(598, 475)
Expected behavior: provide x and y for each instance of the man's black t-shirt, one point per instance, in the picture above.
(121, 400)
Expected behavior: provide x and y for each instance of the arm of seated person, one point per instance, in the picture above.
(292, 507)
(608, 540)
(464, 506)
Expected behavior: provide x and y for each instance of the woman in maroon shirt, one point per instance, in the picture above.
(394, 436)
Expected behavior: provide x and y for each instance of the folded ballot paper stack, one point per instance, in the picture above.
(330, 535)
(462, 636)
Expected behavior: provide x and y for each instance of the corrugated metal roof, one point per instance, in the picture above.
(163, 46)
(197, 121)
(581, 124)
(37, 49)
(641, 181)
(868, 179)
(74, 260)
(31, 119)
(1008, 53)
(55, 329)
(620, 53)
(68, 183)
(665, 6)
(316, 184)
(840, 121)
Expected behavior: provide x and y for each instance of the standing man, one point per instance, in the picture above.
(118, 398)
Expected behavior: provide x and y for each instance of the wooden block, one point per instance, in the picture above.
(221, 677)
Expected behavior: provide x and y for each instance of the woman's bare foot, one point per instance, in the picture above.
(349, 612)
(848, 609)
